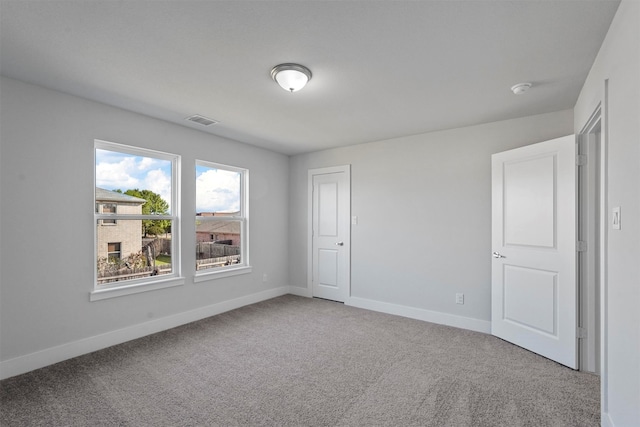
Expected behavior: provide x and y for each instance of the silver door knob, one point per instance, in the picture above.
(340, 244)
(498, 255)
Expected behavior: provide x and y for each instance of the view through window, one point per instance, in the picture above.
(221, 220)
(134, 194)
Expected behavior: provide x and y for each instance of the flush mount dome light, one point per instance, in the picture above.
(520, 88)
(291, 77)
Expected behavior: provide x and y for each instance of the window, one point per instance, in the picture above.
(136, 194)
(114, 251)
(221, 220)
(108, 208)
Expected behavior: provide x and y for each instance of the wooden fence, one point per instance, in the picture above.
(161, 245)
(129, 274)
(208, 254)
(215, 250)
(203, 264)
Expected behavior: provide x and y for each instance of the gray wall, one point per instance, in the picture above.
(424, 209)
(47, 218)
(619, 63)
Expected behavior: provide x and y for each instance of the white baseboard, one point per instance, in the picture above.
(301, 292)
(49, 356)
(422, 314)
(606, 420)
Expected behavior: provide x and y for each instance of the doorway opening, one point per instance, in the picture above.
(590, 244)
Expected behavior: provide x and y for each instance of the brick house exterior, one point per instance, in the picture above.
(216, 231)
(118, 238)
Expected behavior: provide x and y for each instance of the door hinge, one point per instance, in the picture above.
(581, 246)
(581, 333)
(581, 159)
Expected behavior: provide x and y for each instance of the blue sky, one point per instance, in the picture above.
(217, 190)
(121, 171)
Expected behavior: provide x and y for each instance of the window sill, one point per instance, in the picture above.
(101, 294)
(212, 275)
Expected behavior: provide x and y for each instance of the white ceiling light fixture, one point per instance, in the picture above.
(520, 88)
(291, 77)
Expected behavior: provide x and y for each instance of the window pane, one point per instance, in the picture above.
(142, 177)
(220, 217)
(130, 182)
(107, 208)
(217, 191)
(124, 254)
(218, 243)
(113, 251)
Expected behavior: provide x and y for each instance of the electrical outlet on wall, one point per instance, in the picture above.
(265, 278)
(459, 298)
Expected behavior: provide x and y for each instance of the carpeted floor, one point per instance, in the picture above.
(294, 361)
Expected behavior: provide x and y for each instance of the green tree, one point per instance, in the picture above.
(155, 230)
(154, 205)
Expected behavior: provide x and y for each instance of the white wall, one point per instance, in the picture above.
(423, 204)
(618, 62)
(47, 227)
(424, 217)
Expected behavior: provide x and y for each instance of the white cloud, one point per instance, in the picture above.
(120, 171)
(159, 182)
(146, 163)
(218, 191)
(117, 175)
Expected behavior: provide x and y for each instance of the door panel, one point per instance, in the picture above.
(328, 271)
(327, 209)
(534, 288)
(530, 298)
(529, 202)
(330, 233)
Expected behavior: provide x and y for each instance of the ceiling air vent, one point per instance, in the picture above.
(201, 120)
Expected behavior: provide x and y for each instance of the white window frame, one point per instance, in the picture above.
(134, 286)
(244, 266)
(119, 251)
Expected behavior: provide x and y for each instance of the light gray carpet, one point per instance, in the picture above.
(294, 361)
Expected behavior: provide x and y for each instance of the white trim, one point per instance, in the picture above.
(49, 356)
(219, 274)
(441, 318)
(589, 187)
(162, 281)
(606, 420)
(604, 256)
(600, 115)
(243, 218)
(422, 314)
(310, 174)
(106, 293)
(301, 292)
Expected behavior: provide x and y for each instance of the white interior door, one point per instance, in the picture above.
(534, 287)
(330, 232)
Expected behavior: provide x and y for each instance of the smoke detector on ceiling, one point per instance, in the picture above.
(520, 88)
(201, 120)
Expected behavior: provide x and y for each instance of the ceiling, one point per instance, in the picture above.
(381, 69)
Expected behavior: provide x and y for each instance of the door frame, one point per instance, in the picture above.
(598, 119)
(592, 226)
(324, 171)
